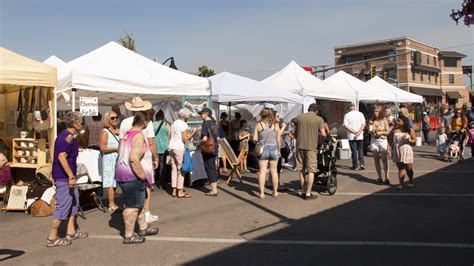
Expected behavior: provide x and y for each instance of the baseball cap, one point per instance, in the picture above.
(206, 110)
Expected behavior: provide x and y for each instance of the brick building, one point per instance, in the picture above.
(417, 67)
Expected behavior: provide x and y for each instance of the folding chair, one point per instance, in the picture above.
(233, 160)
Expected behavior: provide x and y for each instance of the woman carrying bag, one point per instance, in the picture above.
(210, 149)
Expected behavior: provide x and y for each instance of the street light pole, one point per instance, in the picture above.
(172, 64)
(396, 62)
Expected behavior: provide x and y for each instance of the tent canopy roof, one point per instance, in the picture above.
(401, 96)
(227, 87)
(19, 70)
(114, 68)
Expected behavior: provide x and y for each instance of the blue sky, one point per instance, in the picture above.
(250, 38)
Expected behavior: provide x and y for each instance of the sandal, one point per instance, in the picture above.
(134, 239)
(184, 196)
(148, 231)
(58, 242)
(76, 235)
(112, 209)
(210, 194)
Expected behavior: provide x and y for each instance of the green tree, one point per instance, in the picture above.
(127, 41)
(204, 71)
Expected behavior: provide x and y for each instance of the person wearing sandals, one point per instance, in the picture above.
(209, 126)
(378, 129)
(267, 133)
(176, 147)
(66, 150)
(309, 125)
(132, 177)
(108, 144)
(400, 139)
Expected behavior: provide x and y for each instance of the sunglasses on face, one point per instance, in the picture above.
(114, 118)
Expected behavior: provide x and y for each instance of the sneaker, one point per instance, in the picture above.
(410, 185)
(386, 181)
(399, 187)
(362, 167)
(150, 218)
(310, 197)
(355, 168)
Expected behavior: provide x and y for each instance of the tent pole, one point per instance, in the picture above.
(73, 99)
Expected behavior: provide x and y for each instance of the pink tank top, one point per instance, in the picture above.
(123, 169)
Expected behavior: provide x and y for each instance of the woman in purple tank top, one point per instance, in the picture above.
(132, 176)
(64, 175)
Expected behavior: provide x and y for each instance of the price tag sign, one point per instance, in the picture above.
(89, 106)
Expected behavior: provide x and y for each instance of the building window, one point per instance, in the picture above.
(421, 75)
(450, 62)
(436, 78)
(429, 77)
(413, 76)
(451, 78)
(427, 59)
(392, 73)
(348, 59)
(391, 58)
(434, 61)
(366, 56)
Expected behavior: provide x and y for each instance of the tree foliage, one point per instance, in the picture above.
(205, 71)
(127, 41)
(467, 12)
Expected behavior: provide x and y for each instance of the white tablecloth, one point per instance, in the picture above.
(92, 160)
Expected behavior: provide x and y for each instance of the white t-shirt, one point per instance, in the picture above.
(127, 123)
(176, 141)
(354, 119)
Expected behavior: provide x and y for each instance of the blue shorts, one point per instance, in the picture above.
(133, 193)
(270, 152)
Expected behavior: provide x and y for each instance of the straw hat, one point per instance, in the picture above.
(138, 104)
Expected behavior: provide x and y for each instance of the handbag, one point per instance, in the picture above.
(42, 120)
(188, 164)
(258, 149)
(208, 146)
(30, 115)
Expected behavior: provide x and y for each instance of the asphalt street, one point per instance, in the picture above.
(364, 223)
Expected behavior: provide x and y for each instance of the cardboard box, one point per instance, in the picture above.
(343, 154)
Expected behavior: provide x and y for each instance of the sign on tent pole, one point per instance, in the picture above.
(89, 106)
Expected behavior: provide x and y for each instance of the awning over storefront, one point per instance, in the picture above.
(426, 91)
(453, 94)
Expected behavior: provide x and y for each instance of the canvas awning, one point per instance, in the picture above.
(20, 70)
(400, 96)
(453, 94)
(427, 91)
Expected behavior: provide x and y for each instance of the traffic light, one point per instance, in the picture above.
(385, 75)
(416, 58)
(372, 71)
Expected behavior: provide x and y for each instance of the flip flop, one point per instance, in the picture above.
(58, 242)
(210, 194)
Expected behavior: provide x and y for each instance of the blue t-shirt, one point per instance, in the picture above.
(210, 125)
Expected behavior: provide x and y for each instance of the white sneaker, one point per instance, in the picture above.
(151, 218)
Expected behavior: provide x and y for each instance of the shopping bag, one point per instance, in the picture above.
(188, 164)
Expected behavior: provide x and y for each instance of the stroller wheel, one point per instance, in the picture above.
(331, 183)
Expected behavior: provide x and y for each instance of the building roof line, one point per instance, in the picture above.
(382, 41)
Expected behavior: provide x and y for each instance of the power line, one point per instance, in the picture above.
(461, 45)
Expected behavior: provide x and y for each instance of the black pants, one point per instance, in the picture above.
(210, 166)
(162, 173)
(426, 135)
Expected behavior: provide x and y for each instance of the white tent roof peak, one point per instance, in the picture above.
(401, 96)
(54, 61)
(227, 87)
(295, 79)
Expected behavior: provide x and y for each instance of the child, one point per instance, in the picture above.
(454, 149)
(470, 138)
(441, 139)
(244, 137)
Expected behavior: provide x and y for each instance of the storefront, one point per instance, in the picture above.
(432, 103)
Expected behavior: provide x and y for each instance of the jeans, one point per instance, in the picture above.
(357, 153)
(210, 167)
(426, 135)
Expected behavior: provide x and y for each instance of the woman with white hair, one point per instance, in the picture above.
(176, 147)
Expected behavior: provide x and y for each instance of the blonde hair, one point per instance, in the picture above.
(266, 115)
(107, 117)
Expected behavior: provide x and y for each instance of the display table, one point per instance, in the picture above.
(91, 159)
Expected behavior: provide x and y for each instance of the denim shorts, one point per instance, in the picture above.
(270, 152)
(133, 193)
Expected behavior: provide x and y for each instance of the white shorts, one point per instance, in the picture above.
(378, 145)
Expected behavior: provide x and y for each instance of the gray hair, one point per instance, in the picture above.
(184, 113)
(107, 118)
(72, 118)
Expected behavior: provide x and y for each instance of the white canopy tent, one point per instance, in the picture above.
(114, 74)
(230, 88)
(401, 96)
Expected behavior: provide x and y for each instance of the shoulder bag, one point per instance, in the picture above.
(208, 146)
(19, 110)
(258, 149)
(29, 116)
(42, 120)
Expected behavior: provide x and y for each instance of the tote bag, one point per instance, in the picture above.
(188, 164)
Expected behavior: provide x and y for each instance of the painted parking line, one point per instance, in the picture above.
(402, 194)
(296, 242)
(415, 170)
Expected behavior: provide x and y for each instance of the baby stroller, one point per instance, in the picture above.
(327, 172)
(454, 146)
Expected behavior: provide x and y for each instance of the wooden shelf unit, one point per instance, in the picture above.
(29, 145)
